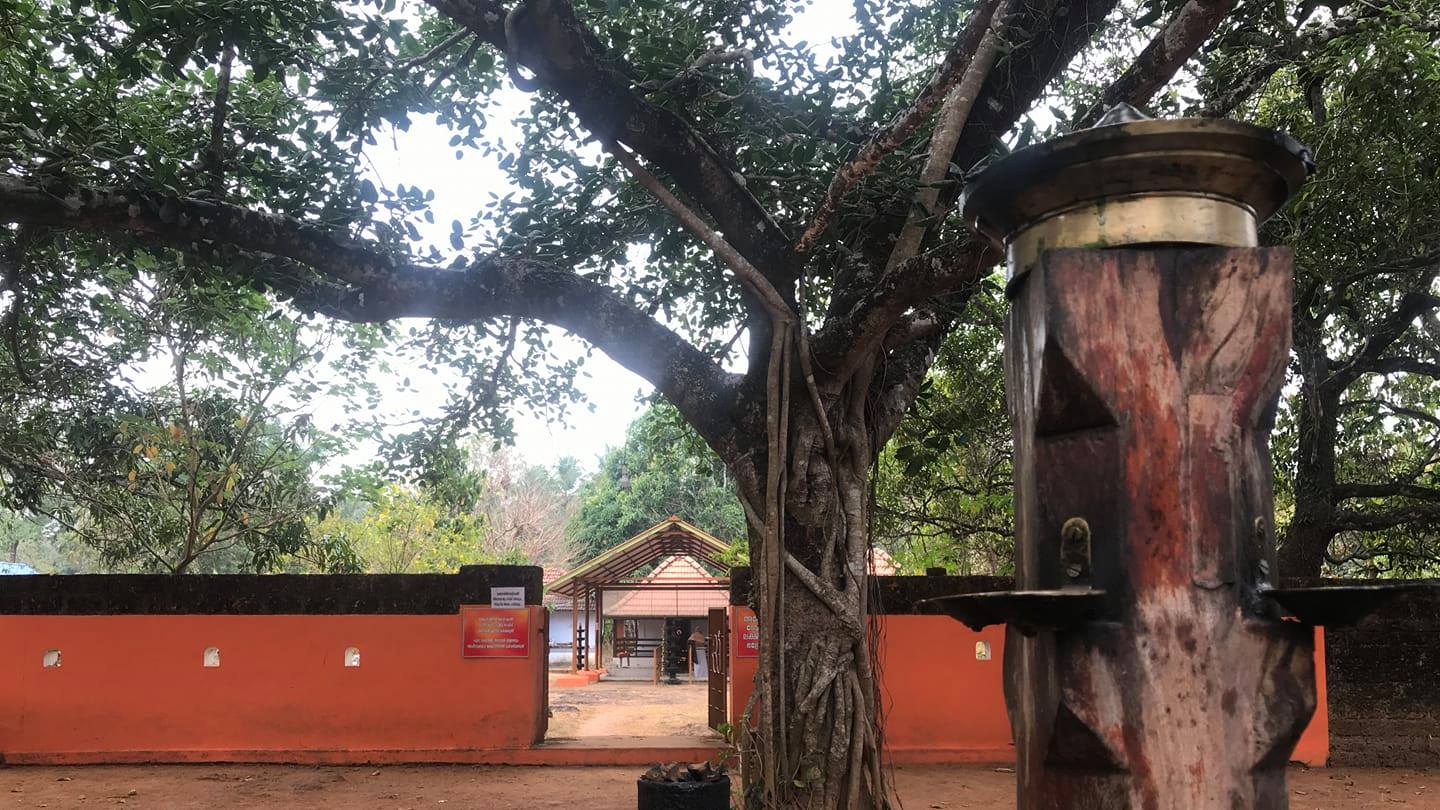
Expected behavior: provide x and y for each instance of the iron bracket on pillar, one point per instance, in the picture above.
(1337, 605)
(1027, 611)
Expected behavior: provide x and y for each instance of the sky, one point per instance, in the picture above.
(423, 157)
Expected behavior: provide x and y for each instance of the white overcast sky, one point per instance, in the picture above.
(423, 157)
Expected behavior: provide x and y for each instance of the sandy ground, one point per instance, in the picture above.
(627, 709)
(245, 787)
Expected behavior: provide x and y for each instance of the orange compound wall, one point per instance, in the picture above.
(943, 706)
(940, 703)
(133, 688)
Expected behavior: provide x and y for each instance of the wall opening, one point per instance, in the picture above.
(637, 695)
(212, 656)
(352, 656)
(51, 659)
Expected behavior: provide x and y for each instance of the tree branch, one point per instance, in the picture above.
(1394, 489)
(1183, 34)
(951, 71)
(423, 59)
(714, 56)
(189, 224)
(1059, 29)
(215, 152)
(381, 286)
(569, 60)
(1242, 87)
(849, 337)
(925, 211)
(1404, 365)
(750, 277)
(1348, 520)
(1428, 261)
(1382, 336)
(1398, 410)
(12, 264)
(897, 381)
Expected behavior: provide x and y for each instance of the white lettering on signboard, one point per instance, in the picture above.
(487, 632)
(507, 597)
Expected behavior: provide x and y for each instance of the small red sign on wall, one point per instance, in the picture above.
(487, 632)
(749, 642)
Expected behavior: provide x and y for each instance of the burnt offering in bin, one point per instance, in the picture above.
(680, 786)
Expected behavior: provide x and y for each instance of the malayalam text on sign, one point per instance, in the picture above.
(749, 646)
(487, 632)
(507, 597)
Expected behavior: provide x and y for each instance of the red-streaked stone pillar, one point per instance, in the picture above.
(1143, 385)
(1148, 341)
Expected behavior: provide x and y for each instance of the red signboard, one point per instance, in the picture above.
(487, 632)
(748, 645)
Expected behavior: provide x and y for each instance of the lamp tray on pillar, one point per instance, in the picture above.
(1337, 605)
(1200, 181)
(1028, 611)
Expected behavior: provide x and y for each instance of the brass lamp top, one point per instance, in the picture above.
(1139, 181)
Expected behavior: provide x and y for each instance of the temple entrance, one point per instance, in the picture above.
(632, 639)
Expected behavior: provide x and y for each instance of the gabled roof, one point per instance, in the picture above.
(657, 602)
(670, 537)
(881, 563)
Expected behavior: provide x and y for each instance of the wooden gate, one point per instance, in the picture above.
(717, 654)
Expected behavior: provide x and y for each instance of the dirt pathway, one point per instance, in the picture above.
(627, 709)
(250, 787)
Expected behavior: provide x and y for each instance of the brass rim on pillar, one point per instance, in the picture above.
(1132, 180)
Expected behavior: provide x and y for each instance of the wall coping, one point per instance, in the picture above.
(905, 595)
(262, 594)
(892, 594)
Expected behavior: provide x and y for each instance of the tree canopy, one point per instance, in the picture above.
(1359, 446)
(662, 469)
(1356, 440)
(754, 220)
